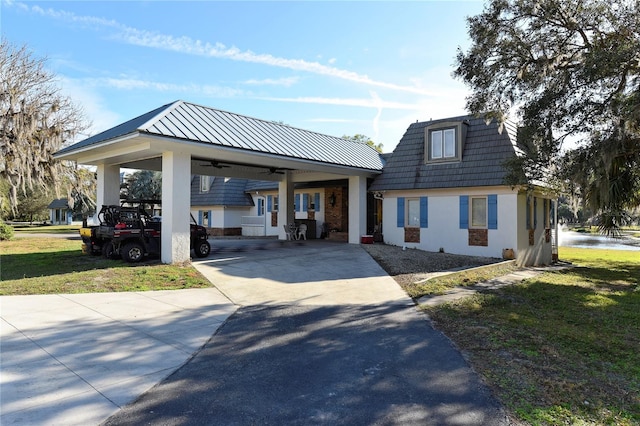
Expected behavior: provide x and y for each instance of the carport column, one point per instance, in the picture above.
(108, 185)
(286, 209)
(176, 202)
(357, 208)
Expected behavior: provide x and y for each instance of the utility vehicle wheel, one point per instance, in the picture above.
(133, 252)
(107, 250)
(202, 249)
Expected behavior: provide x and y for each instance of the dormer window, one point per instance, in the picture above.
(444, 142)
(204, 183)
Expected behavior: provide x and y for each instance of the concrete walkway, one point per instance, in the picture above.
(75, 359)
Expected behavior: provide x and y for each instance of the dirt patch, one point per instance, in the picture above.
(411, 265)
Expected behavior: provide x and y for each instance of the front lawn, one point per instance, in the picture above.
(33, 265)
(561, 348)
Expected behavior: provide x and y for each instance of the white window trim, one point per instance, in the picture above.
(407, 211)
(486, 211)
(205, 183)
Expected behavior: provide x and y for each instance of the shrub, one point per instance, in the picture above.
(6, 231)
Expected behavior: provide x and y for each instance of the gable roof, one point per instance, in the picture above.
(195, 123)
(59, 203)
(485, 150)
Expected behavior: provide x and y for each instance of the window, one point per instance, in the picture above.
(204, 183)
(478, 212)
(413, 212)
(275, 203)
(260, 206)
(443, 144)
(444, 141)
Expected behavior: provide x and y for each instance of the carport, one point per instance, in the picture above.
(182, 139)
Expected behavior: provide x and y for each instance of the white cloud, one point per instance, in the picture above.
(285, 81)
(138, 84)
(361, 102)
(187, 45)
(92, 106)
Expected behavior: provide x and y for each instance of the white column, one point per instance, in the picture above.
(108, 185)
(357, 208)
(286, 210)
(176, 202)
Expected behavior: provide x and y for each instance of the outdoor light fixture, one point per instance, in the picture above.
(332, 199)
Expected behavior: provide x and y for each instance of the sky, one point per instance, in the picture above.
(338, 68)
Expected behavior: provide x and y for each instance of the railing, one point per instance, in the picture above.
(253, 226)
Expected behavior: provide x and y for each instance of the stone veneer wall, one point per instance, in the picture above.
(224, 232)
(337, 216)
(478, 237)
(412, 235)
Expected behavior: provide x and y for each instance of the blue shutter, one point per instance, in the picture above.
(400, 212)
(316, 201)
(535, 213)
(492, 200)
(260, 206)
(199, 217)
(305, 202)
(269, 203)
(464, 212)
(210, 224)
(297, 203)
(424, 212)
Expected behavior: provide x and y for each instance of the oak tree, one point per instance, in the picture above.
(566, 70)
(36, 120)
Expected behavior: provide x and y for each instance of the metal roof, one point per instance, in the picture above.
(485, 150)
(187, 121)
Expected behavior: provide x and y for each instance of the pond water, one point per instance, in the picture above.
(568, 238)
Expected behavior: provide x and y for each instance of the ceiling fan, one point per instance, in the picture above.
(215, 164)
(274, 171)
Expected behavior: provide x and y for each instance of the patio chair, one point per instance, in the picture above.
(302, 232)
(290, 231)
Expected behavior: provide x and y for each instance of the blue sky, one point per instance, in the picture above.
(339, 68)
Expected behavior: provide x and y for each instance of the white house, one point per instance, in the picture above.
(443, 190)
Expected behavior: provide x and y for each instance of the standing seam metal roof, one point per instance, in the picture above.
(188, 121)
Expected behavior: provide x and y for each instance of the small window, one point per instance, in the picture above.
(413, 212)
(260, 206)
(443, 144)
(204, 183)
(444, 141)
(478, 212)
(275, 203)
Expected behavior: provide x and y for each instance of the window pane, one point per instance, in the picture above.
(413, 209)
(450, 143)
(204, 183)
(436, 144)
(479, 212)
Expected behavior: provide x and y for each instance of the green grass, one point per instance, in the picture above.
(441, 284)
(48, 229)
(36, 265)
(562, 348)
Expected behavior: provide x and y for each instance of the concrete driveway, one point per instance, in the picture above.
(322, 336)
